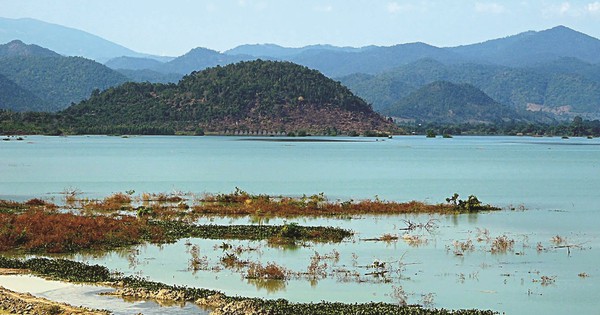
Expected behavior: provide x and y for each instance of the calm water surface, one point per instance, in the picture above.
(556, 180)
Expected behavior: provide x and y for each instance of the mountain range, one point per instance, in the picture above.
(525, 49)
(554, 71)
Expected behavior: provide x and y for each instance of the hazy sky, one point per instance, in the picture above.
(174, 27)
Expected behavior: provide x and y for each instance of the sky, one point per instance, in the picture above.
(173, 27)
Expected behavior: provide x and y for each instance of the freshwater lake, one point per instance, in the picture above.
(556, 181)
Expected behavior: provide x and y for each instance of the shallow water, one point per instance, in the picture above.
(89, 296)
(556, 180)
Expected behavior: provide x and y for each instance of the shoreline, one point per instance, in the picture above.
(16, 302)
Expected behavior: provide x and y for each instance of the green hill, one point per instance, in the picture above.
(254, 96)
(559, 85)
(445, 102)
(58, 81)
(16, 98)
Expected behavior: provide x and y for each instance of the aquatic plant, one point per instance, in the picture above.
(399, 295)
(271, 271)
(461, 247)
(196, 262)
(62, 269)
(231, 260)
(502, 244)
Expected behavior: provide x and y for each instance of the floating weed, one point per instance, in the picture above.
(502, 244)
(389, 237)
(230, 260)
(399, 295)
(539, 247)
(483, 235)
(545, 280)
(427, 300)
(354, 259)
(316, 269)
(461, 247)
(196, 262)
(271, 271)
(558, 240)
(414, 240)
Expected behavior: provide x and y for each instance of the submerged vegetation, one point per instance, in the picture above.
(125, 219)
(62, 269)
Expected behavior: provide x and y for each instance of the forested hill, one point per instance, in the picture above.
(447, 102)
(254, 96)
(57, 81)
(16, 98)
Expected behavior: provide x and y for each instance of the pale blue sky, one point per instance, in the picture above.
(174, 27)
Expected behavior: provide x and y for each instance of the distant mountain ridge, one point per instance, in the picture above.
(521, 50)
(534, 47)
(280, 52)
(63, 40)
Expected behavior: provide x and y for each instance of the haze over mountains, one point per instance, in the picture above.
(555, 71)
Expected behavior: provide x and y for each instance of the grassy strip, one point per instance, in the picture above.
(290, 232)
(62, 269)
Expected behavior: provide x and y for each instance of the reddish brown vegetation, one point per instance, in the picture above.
(295, 207)
(37, 231)
(12, 206)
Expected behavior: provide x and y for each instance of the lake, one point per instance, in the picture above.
(550, 264)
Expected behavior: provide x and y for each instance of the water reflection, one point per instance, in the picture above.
(270, 286)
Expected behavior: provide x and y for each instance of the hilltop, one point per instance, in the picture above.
(254, 96)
